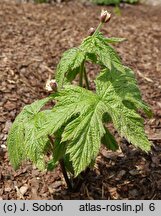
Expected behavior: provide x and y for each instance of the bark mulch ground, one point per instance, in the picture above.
(32, 39)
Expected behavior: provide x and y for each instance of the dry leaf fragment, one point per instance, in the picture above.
(24, 189)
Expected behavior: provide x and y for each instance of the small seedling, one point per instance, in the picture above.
(75, 127)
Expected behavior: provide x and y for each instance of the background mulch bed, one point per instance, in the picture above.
(32, 39)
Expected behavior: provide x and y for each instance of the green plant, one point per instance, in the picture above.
(41, 1)
(114, 2)
(73, 130)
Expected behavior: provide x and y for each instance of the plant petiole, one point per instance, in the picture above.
(86, 79)
(98, 28)
(81, 72)
(61, 162)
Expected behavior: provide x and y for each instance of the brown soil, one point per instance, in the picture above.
(32, 39)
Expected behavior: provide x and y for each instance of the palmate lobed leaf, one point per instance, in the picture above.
(106, 55)
(115, 87)
(21, 141)
(15, 143)
(35, 148)
(81, 112)
(86, 130)
(125, 87)
(94, 48)
(71, 101)
(83, 134)
(68, 66)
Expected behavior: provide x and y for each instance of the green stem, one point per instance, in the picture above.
(82, 68)
(61, 161)
(65, 174)
(86, 79)
(98, 28)
(81, 74)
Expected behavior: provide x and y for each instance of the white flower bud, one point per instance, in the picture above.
(105, 16)
(91, 31)
(51, 85)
